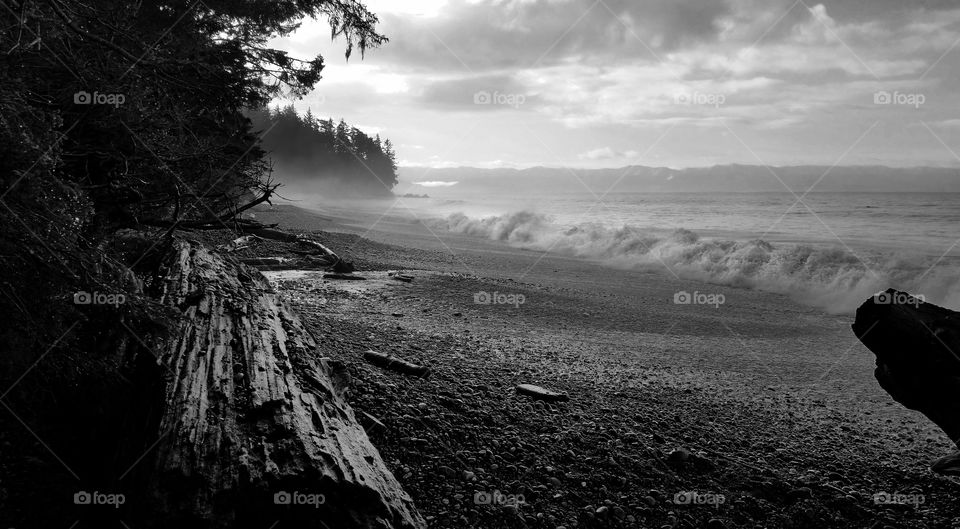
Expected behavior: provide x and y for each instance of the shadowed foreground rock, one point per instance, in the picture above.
(255, 430)
(916, 344)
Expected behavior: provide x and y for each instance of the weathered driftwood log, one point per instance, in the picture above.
(255, 430)
(540, 393)
(308, 262)
(917, 346)
(240, 243)
(339, 265)
(317, 255)
(394, 363)
(262, 261)
(400, 276)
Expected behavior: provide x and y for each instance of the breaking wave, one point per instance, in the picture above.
(831, 277)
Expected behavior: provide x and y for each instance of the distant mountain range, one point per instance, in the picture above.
(720, 178)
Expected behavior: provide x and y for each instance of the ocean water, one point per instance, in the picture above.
(831, 250)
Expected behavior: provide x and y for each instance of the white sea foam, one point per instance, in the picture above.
(831, 276)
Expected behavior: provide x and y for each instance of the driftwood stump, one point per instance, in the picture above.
(255, 430)
(917, 346)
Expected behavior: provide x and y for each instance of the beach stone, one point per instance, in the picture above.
(702, 462)
(678, 455)
(716, 523)
(801, 493)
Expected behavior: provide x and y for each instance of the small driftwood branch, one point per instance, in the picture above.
(394, 363)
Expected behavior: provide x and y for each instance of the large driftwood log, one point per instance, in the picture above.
(917, 346)
(255, 428)
(339, 265)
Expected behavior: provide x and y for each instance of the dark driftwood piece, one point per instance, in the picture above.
(917, 346)
(344, 277)
(394, 363)
(251, 413)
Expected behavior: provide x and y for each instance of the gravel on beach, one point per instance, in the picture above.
(659, 431)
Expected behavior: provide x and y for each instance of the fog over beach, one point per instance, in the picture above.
(831, 249)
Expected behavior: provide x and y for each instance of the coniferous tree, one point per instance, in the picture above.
(118, 115)
(305, 149)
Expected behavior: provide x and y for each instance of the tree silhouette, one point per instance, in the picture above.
(306, 150)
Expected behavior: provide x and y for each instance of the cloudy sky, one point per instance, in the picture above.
(679, 83)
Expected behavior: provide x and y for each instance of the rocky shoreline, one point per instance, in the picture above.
(642, 442)
(617, 455)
